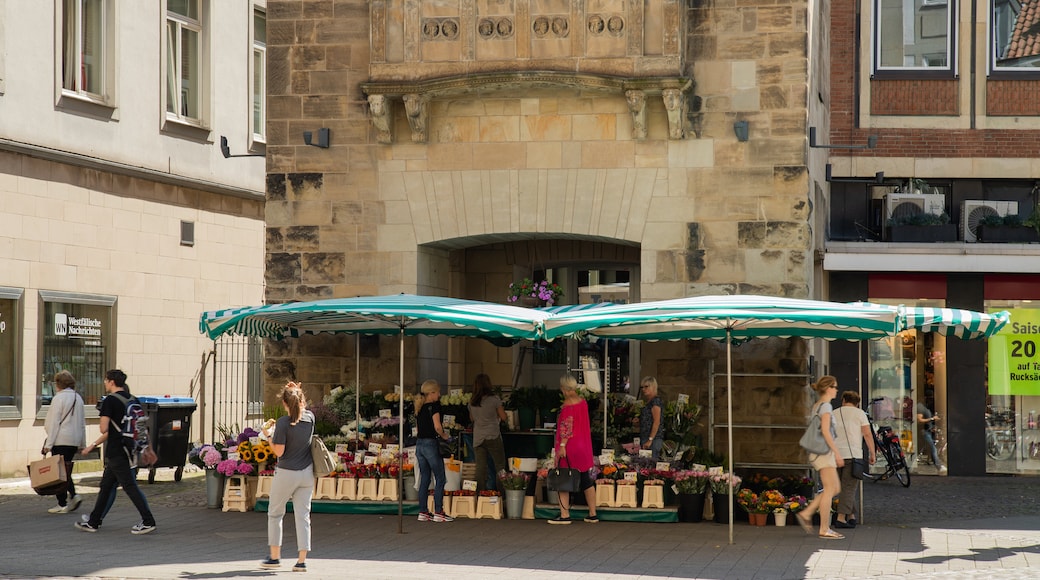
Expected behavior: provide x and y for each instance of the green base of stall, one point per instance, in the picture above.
(541, 512)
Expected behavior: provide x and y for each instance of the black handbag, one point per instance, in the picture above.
(858, 465)
(445, 447)
(565, 479)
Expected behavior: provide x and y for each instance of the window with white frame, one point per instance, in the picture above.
(84, 55)
(184, 60)
(259, 74)
(1014, 35)
(913, 35)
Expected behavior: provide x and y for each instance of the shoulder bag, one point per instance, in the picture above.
(812, 440)
(323, 459)
(858, 464)
(565, 479)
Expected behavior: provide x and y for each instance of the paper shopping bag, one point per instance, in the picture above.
(47, 471)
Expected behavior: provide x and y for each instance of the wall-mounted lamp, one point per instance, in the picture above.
(740, 129)
(879, 178)
(323, 138)
(871, 142)
(226, 151)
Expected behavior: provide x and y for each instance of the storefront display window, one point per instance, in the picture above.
(10, 335)
(78, 335)
(1013, 391)
(905, 371)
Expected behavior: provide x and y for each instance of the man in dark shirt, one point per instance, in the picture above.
(118, 465)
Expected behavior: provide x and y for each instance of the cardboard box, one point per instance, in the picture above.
(47, 471)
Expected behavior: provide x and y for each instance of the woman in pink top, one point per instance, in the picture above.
(574, 448)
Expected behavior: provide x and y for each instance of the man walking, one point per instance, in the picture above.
(118, 458)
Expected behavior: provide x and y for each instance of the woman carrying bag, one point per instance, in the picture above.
(66, 429)
(852, 425)
(826, 464)
(574, 448)
(293, 477)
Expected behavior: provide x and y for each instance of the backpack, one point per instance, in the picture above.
(134, 426)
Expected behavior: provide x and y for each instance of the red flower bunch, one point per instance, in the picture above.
(489, 493)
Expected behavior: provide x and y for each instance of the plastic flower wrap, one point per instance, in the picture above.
(514, 480)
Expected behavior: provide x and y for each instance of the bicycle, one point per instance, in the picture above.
(887, 444)
(1000, 435)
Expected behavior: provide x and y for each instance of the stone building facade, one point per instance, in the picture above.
(472, 143)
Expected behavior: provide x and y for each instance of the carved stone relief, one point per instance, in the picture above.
(675, 105)
(440, 29)
(379, 107)
(550, 27)
(415, 109)
(490, 28)
(637, 107)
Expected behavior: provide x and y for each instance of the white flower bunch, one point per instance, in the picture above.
(462, 399)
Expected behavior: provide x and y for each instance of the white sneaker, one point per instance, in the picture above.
(943, 469)
(59, 509)
(74, 502)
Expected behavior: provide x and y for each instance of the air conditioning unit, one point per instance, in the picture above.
(899, 205)
(973, 211)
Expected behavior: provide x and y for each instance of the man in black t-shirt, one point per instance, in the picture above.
(926, 423)
(118, 468)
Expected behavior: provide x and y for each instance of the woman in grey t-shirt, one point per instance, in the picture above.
(485, 410)
(293, 477)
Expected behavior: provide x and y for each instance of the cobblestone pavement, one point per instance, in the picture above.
(970, 528)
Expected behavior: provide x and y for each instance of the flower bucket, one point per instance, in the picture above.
(781, 517)
(214, 489)
(411, 492)
(759, 519)
(514, 503)
(691, 507)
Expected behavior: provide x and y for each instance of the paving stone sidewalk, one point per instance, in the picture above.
(938, 528)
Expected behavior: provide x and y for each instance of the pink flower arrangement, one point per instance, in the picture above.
(231, 467)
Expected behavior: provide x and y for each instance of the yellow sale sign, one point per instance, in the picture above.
(1014, 360)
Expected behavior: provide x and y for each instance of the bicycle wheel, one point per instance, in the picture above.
(899, 466)
(996, 446)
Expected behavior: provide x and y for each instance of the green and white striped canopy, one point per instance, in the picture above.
(966, 324)
(393, 314)
(718, 317)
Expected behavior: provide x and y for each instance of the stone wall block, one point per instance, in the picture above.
(777, 151)
(751, 234)
(742, 47)
(278, 72)
(792, 44)
(278, 213)
(307, 58)
(774, 18)
(274, 239)
(322, 267)
(305, 186)
(282, 268)
(324, 107)
(774, 97)
(301, 238)
(787, 235)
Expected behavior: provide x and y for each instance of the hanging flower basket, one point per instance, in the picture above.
(530, 293)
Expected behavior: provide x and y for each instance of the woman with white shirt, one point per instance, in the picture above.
(66, 429)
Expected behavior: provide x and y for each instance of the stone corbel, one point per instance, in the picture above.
(637, 107)
(675, 104)
(379, 107)
(415, 109)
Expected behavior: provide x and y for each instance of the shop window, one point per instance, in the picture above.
(913, 36)
(78, 335)
(10, 351)
(1014, 37)
(906, 371)
(1013, 390)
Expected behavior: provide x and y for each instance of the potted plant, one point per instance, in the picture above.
(515, 485)
(721, 484)
(922, 227)
(692, 487)
(1009, 229)
(531, 293)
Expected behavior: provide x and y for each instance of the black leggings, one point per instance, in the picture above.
(68, 452)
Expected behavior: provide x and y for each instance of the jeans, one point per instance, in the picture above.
(67, 452)
(655, 448)
(428, 454)
(118, 471)
(298, 486)
(929, 442)
(493, 450)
